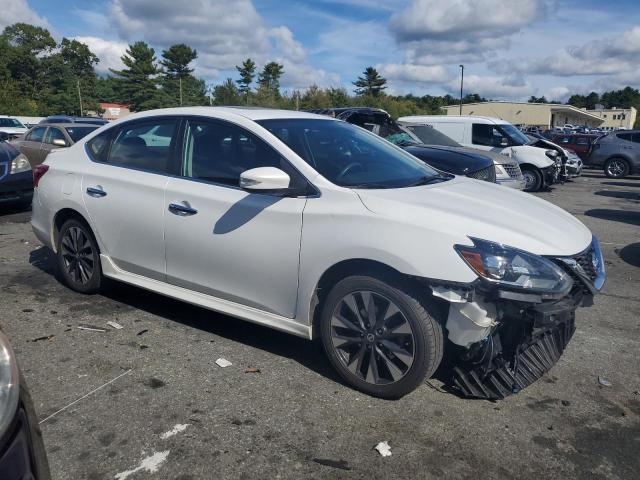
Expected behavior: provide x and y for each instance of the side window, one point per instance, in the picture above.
(219, 152)
(582, 141)
(54, 134)
(483, 134)
(144, 145)
(36, 135)
(98, 146)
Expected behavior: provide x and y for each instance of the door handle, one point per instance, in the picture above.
(181, 210)
(96, 192)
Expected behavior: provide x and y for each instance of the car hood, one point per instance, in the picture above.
(451, 159)
(465, 208)
(495, 157)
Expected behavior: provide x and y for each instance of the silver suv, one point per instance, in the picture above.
(618, 153)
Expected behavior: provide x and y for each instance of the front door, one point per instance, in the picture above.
(224, 241)
(124, 192)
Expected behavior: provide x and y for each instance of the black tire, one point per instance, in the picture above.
(424, 342)
(616, 168)
(81, 272)
(533, 179)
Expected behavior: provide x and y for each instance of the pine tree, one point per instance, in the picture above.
(269, 78)
(247, 73)
(180, 87)
(371, 83)
(138, 82)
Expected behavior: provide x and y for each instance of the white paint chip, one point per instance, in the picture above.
(149, 464)
(383, 449)
(180, 427)
(223, 362)
(115, 325)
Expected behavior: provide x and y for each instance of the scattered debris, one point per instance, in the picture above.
(341, 464)
(143, 347)
(252, 370)
(142, 332)
(115, 325)
(53, 312)
(91, 328)
(180, 427)
(46, 337)
(565, 403)
(550, 427)
(636, 392)
(149, 464)
(154, 382)
(67, 329)
(604, 382)
(27, 310)
(223, 362)
(383, 449)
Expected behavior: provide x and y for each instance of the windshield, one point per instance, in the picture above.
(350, 156)
(11, 123)
(76, 133)
(515, 135)
(431, 136)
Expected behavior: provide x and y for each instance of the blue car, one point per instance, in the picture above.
(16, 179)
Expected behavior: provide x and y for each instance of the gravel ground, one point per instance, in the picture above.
(295, 419)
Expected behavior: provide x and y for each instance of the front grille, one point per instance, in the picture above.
(513, 170)
(487, 174)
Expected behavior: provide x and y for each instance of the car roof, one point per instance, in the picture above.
(69, 125)
(453, 119)
(251, 113)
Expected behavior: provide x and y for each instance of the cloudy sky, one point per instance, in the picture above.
(511, 49)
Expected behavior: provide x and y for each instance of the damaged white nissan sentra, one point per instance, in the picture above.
(316, 227)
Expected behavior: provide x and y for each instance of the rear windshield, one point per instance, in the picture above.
(430, 136)
(76, 133)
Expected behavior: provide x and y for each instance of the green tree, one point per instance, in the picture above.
(138, 81)
(370, 83)
(269, 78)
(180, 87)
(247, 73)
(227, 93)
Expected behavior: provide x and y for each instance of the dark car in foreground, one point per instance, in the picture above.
(38, 142)
(16, 179)
(72, 119)
(618, 153)
(447, 159)
(22, 453)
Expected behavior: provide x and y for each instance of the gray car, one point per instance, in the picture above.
(41, 139)
(618, 153)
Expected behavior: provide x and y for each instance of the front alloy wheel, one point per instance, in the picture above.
(78, 257)
(379, 337)
(532, 180)
(616, 168)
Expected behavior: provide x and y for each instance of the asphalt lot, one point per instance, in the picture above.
(295, 419)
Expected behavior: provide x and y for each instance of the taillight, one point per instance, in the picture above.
(38, 172)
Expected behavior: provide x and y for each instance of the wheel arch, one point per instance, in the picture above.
(347, 268)
(62, 216)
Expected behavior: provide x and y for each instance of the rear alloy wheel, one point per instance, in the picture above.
(532, 179)
(616, 168)
(78, 257)
(379, 338)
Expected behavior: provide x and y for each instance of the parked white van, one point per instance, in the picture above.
(540, 167)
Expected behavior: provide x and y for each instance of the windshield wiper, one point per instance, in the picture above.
(427, 180)
(368, 185)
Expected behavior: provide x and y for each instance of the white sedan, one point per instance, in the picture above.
(316, 227)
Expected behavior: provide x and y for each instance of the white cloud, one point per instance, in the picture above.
(287, 45)
(450, 20)
(14, 11)
(414, 73)
(493, 87)
(109, 52)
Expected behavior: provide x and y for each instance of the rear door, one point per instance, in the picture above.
(30, 146)
(124, 192)
(224, 241)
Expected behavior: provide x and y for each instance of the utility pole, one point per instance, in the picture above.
(180, 81)
(79, 97)
(297, 100)
(461, 84)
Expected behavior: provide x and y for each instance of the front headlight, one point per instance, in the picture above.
(9, 388)
(20, 164)
(500, 171)
(515, 269)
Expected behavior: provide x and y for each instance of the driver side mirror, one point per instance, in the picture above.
(58, 142)
(264, 178)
